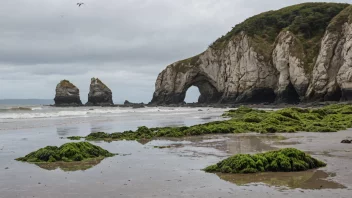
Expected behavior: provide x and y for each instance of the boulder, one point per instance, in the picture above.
(133, 105)
(99, 94)
(346, 141)
(127, 102)
(67, 94)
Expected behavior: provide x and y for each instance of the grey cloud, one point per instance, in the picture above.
(125, 43)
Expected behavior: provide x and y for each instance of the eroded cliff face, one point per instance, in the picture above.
(236, 73)
(239, 73)
(67, 94)
(332, 73)
(287, 59)
(99, 94)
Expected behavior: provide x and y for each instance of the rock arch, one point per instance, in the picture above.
(174, 91)
(207, 90)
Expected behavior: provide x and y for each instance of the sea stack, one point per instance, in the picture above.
(67, 94)
(99, 94)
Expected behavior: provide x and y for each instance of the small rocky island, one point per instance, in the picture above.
(99, 94)
(67, 94)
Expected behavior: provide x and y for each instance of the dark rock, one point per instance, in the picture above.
(99, 94)
(346, 94)
(346, 141)
(257, 96)
(67, 94)
(127, 102)
(133, 105)
(288, 95)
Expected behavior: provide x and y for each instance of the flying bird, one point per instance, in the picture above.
(79, 4)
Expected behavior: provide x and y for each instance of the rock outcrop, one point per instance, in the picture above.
(99, 94)
(242, 67)
(133, 105)
(332, 74)
(67, 94)
(237, 74)
(292, 79)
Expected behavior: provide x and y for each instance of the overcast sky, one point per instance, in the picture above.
(125, 43)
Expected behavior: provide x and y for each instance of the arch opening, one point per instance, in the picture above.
(208, 92)
(192, 95)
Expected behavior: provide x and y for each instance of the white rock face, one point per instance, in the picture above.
(237, 73)
(286, 59)
(344, 76)
(230, 74)
(331, 77)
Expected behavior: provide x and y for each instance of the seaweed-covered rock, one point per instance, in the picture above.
(68, 152)
(284, 160)
(67, 94)
(99, 94)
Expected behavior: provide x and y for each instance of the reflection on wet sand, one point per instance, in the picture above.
(67, 131)
(99, 128)
(71, 166)
(313, 179)
(230, 143)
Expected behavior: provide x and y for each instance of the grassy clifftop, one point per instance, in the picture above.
(307, 21)
(345, 16)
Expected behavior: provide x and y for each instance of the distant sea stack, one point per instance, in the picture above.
(301, 53)
(99, 94)
(67, 94)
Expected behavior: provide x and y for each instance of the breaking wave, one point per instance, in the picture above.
(50, 112)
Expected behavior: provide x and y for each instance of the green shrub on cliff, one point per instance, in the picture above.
(284, 160)
(68, 152)
(344, 16)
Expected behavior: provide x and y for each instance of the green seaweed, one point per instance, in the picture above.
(330, 118)
(75, 138)
(69, 152)
(284, 160)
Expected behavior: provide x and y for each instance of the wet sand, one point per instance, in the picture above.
(173, 167)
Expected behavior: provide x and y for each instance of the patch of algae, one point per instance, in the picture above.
(283, 160)
(68, 157)
(330, 118)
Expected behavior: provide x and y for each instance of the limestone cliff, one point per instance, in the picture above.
(67, 94)
(99, 94)
(282, 61)
(332, 74)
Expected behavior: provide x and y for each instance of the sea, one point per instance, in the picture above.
(163, 167)
(83, 120)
